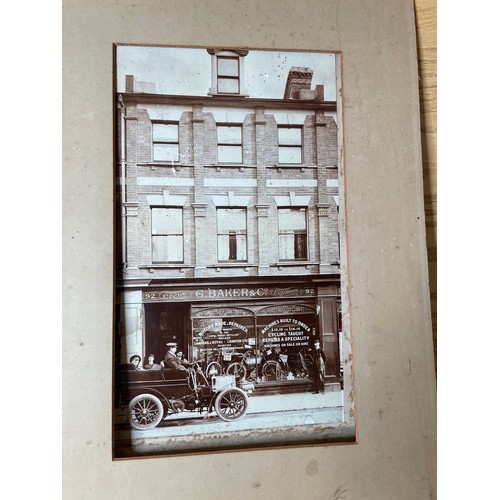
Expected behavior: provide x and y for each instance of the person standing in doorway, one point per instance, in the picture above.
(319, 360)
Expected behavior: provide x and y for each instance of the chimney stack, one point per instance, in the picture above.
(298, 86)
(298, 79)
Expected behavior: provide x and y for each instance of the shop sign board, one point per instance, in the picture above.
(226, 293)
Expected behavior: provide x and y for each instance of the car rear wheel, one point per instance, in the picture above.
(145, 412)
(231, 404)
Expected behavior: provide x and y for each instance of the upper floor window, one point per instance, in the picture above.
(228, 75)
(229, 144)
(292, 224)
(231, 234)
(289, 144)
(167, 237)
(165, 141)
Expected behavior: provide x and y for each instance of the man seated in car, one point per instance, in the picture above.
(172, 362)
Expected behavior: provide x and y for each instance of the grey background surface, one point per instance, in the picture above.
(390, 313)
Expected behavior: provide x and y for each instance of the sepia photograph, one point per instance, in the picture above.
(231, 326)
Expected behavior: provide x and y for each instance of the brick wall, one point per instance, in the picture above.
(200, 179)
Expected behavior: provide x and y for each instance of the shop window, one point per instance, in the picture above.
(220, 340)
(292, 233)
(287, 339)
(289, 144)
(165, 141)
(167, 235)
(228, 75)
(229, 144)
(231, 234)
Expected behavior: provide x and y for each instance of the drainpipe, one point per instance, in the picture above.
(122, 181)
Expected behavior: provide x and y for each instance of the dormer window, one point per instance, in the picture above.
(228, 75)
(227, 72)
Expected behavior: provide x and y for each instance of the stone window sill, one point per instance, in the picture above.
(180, 266)
(170, 164)
(232, 265)
(287, 166)
(294, 263)
(219, 166)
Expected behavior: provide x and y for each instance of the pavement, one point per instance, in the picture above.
(287, 402)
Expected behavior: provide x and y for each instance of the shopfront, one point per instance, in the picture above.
(246, 324)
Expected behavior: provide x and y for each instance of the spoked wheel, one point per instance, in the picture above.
(238, 370)
(145, 412)
(271, 370)
(231, 404)
(213, 368)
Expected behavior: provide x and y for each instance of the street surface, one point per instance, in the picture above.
(190, 423)
(279, 418)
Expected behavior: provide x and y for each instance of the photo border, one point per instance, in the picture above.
(334, 433)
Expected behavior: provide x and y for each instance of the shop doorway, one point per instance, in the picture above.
(166, 322)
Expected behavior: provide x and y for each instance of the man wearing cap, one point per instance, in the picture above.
(319, 360)
(171, 360)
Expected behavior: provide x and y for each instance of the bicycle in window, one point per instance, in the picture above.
(247, 368)
(219, 364)
(297, 365)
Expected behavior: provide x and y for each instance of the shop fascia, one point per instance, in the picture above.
(208, 293)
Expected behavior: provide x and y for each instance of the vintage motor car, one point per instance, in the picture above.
(152, 395)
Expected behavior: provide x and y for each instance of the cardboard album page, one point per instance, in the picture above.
(246, 303)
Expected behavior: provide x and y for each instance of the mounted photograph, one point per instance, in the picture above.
(231, 285)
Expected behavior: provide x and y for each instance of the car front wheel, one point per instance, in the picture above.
(231, 404)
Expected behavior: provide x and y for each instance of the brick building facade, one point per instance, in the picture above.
(227, 220)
